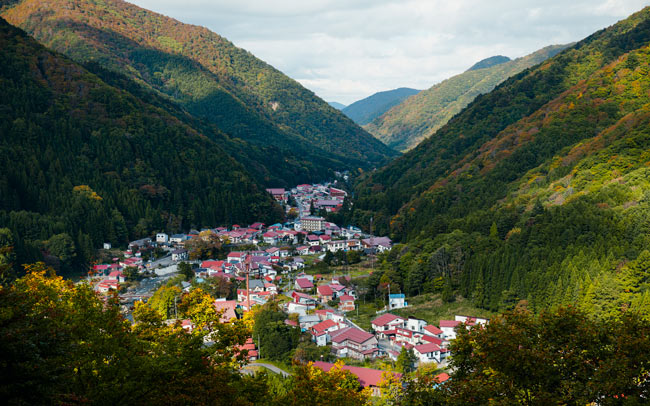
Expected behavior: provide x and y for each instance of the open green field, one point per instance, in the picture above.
(429, 307)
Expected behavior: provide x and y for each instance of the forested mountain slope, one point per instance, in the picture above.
(208, 76)
(84, 162)
(408, 123)
(537, 191)
(365, 110)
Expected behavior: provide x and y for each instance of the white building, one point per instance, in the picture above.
(162, 238)
(312, 223)
(416, 325)
(396, 301)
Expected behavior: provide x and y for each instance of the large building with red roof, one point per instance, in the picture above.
(354, 343)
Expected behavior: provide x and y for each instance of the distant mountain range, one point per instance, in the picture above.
(366, 110)
(338, 106)
(408, 123)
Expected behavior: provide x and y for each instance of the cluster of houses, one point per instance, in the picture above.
(429, 343)
(317, 196)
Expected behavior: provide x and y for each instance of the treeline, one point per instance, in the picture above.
(62, 343)
(93, 163)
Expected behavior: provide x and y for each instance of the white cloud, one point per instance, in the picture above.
(345, 50)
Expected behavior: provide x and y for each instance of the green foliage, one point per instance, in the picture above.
(274, 338)
(534, 196)
(85, 162)
(213, 80)
(406, 360)
(63, 345)
(185, 269)
(560, 357)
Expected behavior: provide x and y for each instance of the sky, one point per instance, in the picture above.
(345, 50)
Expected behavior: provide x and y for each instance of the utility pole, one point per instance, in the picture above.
(248, 292)
(372, 243)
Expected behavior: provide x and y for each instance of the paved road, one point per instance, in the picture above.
(270, 367)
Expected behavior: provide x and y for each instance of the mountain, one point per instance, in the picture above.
(209, 77)
(338, 106)
(536, 192)
(365, 110)
(489, 62)
(85, 162)
(407, 124)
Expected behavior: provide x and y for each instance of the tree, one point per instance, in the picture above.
(185, 269)
(131, 273)
(274, 338)
(62, 344)
(558, 357)
(165, 301)
(311, 385)
(7, 256)
(406, 360)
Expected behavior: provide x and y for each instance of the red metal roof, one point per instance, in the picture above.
(385, 319)
(352, 334)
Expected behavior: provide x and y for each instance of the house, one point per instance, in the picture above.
(256, 285)
(337, 193)
(107, 246)
(432, 331)
(301, 309)
(448, 328)
(325, 293)
(303, 298)
(236, 257)
(162, 238)
(386, 324)
(278, 194)
(354, 343)
(228, 309)
(308, 321)
(336, 246)
(396, 301)
(377, 244)
(214, 265)
(430, 353)
(324, 238)
(471, 321)
(139, 244)
(368, 377)
(178, 238)
(415, 324)
(312, 240)
(303, 250)
(106, 285)
(251, 350)
(303, 284)
(117, 275)
(179, 255)
(270, 237)
(312, 223)
(320, 331)
(346, 303)
(257, 226)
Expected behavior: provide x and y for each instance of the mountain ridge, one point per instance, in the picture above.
(207, 75)
(367, 109)
(405, 125)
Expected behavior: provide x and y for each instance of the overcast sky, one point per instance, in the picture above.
(345, 50)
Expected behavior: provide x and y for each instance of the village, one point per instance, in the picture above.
(276, 263)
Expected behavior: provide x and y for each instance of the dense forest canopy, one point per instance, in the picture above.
(85, 162)
(536, 192)
(210, 78)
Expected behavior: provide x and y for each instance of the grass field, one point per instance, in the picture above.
(427, 307)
